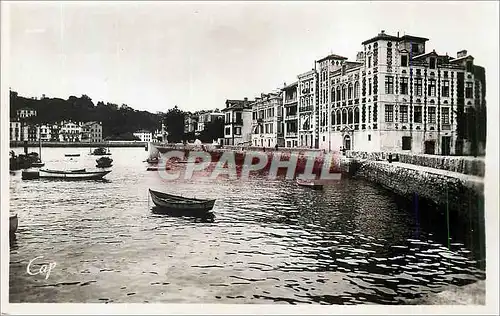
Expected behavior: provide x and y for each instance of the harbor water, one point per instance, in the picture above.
(271, 241)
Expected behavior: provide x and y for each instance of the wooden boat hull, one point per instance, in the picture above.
(168, 202)
(73, 175)
(13, 223)
(71, 155)
(37, 164)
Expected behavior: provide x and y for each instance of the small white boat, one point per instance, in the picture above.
(80, 174)
(13, 223)
(309, 184)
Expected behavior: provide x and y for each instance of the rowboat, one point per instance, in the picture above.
(71, 155)
(309, 184)
(178, 203)
(80, 174)
(37, 164)
(157, 168)
(13, 223)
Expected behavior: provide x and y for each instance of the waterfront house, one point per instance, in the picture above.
(307, 132)
(237, 122)
(70, 131)
(291, 118)
(267, 120)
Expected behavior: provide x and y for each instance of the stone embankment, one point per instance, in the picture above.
(461, 164)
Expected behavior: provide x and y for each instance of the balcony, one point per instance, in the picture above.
(291, 117)
(290, 101)
(291, 134)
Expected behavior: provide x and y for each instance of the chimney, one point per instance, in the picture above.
(461, 53)
(382, 32)
(245, 99)
(360, 57)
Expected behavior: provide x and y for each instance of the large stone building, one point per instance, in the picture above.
(398, 97)
(238, 122)
(190, 123)
(267, 120)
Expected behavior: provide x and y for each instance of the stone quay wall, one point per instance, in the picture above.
(458, 192)
(462, 164)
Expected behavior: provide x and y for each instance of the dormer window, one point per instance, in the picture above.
(404, 61)
(432, 63)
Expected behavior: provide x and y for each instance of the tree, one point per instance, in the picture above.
(174, 121)
(213, 131)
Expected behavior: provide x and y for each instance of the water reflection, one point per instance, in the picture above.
(271, 241)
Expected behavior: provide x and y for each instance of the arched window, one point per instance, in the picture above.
(356, 115)
(349, 91)
(344, 116)
(350, 116)
(333, 95)
(356, 90)
(302, 101)
(339, 118)
(338, 93)
(333, 118)
(343, 92)
(311, 99)
(307, 101)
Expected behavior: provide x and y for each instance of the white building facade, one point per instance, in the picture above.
(238, 122)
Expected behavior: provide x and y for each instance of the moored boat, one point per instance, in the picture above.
(157, 168)
(71, 155)
(190, 206)
(309, 184)
(13, 223)
(101, 151)
(104, 162)
(79, 174)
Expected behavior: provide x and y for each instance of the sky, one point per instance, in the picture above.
(154, 55)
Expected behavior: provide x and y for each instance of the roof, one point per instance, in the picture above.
(460, 59)
(413, 38)
(425, 55)
(142, 131)
(332, 56)
(26, 109)
(380, 36)
(296, 83)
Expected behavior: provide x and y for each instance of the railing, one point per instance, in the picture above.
(290, 100)
(291, 117)
(291, 134)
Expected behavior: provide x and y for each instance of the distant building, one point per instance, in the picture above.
(237, 122)
(206, 117)
(25, 113)
(92, 132)
(70, 131)
(144, 135)
(45, 132)
(190, 123)
(15, 131)
(267, 120)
